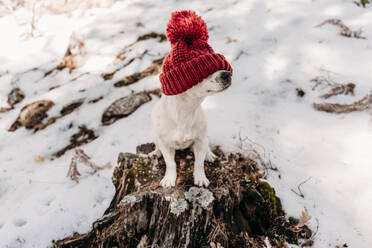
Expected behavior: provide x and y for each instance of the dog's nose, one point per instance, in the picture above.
(226, 76)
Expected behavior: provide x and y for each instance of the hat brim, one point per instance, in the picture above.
(191, 73)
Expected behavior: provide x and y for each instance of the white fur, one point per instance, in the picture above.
(179, 123)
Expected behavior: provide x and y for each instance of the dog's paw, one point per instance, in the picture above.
(210, 156)
(169, 180)
(201, 180)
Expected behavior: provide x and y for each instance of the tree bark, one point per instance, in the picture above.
(238, 209)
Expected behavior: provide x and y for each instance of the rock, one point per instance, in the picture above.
(124, 106)
(238, 209)
(32, 115)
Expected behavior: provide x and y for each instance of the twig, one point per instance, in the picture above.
(317, 228)
(299, 193)
(266, 165)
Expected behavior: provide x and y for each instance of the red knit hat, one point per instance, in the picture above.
(191, 59)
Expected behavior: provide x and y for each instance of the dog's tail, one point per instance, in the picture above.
(187, 26)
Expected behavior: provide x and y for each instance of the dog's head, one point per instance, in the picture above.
(217, 82)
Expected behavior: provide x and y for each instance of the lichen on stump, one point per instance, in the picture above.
(238, 209)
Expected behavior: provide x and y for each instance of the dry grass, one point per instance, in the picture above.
(342, 89)
(82, 157)
(75, 54)
(68, 6)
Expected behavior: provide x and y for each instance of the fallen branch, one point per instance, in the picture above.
(345, 30)
(364, 104)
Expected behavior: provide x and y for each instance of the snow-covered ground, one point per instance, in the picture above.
(273, 47)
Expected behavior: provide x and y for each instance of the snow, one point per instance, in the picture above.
(273, 47)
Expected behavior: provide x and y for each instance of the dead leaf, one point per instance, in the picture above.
(304, 218)
(39, 159)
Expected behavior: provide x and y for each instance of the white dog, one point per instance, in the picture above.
(179, 123)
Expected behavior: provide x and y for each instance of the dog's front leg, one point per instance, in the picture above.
(200, 149)
(170, 176)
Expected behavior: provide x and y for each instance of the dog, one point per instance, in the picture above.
(179, 123)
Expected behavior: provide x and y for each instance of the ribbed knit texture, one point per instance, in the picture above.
(191, 59)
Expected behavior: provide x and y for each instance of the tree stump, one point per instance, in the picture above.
(238, 209)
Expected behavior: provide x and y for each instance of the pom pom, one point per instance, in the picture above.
(186, 25)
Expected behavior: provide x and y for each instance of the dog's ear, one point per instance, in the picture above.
(187, 26)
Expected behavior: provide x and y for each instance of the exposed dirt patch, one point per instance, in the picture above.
(40, 125)
(124, 106)
(84, 136)
(15, 96)
(32, 115)
(68, 109)
(122, 54)
(363, 104)
(152, 35)
(54, 87)
(345, 30)
(236, 210)
(362, 3)
(108, 76)
(96, 99)
(153, 69)
(71, 107)
(157, 92)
